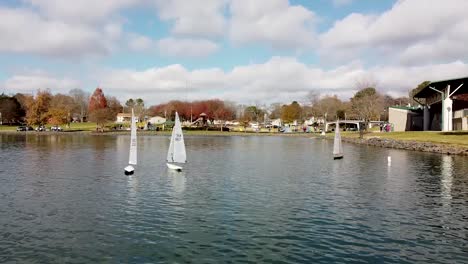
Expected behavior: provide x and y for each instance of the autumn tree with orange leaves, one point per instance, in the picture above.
(37, 110)
(98, 110)
(214, 109)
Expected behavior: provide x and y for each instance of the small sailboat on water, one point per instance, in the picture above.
(132, 159)
(176, 152)
(337, 147)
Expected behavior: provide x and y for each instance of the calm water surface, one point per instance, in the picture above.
(65, 199)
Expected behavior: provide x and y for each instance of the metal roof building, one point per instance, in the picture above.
(445, 104)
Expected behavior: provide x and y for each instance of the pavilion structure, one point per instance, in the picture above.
(445, 104)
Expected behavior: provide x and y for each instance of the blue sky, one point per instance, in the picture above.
(246, 51)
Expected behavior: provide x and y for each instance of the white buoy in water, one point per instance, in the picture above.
(389, 161)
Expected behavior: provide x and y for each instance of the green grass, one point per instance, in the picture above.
(449, 138)
(453, 138)
(87, 126)
(7, 128)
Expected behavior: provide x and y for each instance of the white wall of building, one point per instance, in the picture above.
(157, 120)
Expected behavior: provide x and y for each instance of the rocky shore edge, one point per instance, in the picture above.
(410, 145)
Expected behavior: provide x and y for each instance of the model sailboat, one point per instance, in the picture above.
(337, 147)
(132, 160)
(176, 152)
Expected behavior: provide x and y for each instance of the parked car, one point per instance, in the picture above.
(40, 128)
(24, 128)
(56, 128)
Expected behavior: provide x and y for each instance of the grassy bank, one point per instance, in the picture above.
(7, 128)
(448, 138)
(88, 126)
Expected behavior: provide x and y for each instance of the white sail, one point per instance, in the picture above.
(337, 147)
(176, 152)
(133, 141)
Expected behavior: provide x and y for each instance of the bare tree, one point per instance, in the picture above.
(313, 97)
(328, 107)
(365, 81)
(80, 99)
(367, 104)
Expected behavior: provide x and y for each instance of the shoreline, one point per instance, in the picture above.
(158, 133)
(412, 145)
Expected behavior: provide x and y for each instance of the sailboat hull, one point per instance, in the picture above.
(337, 156)
(129, 170)
(174, 167)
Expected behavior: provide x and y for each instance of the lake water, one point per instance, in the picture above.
(65, 199)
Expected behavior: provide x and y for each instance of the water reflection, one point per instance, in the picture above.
(177, 180)
(446, 180)
(132, 186)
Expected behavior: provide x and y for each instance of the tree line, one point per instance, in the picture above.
(45, 108)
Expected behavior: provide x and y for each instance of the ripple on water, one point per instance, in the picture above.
(240, 199)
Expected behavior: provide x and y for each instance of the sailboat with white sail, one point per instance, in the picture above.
(176, 152)
(337, 147)
(132, 159)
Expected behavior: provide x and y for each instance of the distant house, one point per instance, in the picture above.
(254, 125)
(313, 120)
(277, 122)
(219, 122)
(232, 123)
(124, 118)
(157, 120)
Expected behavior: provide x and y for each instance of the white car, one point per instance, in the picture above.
(56, 128)
(40, 128)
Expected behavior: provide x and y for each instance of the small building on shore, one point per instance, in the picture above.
(277, 122)
(123, 118)
(156, 120)
(405, 118)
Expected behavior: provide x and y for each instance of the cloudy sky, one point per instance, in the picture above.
(242, 50)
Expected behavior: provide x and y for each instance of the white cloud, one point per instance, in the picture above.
(28, 31)
(403, 78)
(272, 22)
(195, 18)
(140, 43)
(351, 32)
(23, 31)
(412, 32)
(278, 79)
(31, 82)
(89, 11)
(183, 47)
